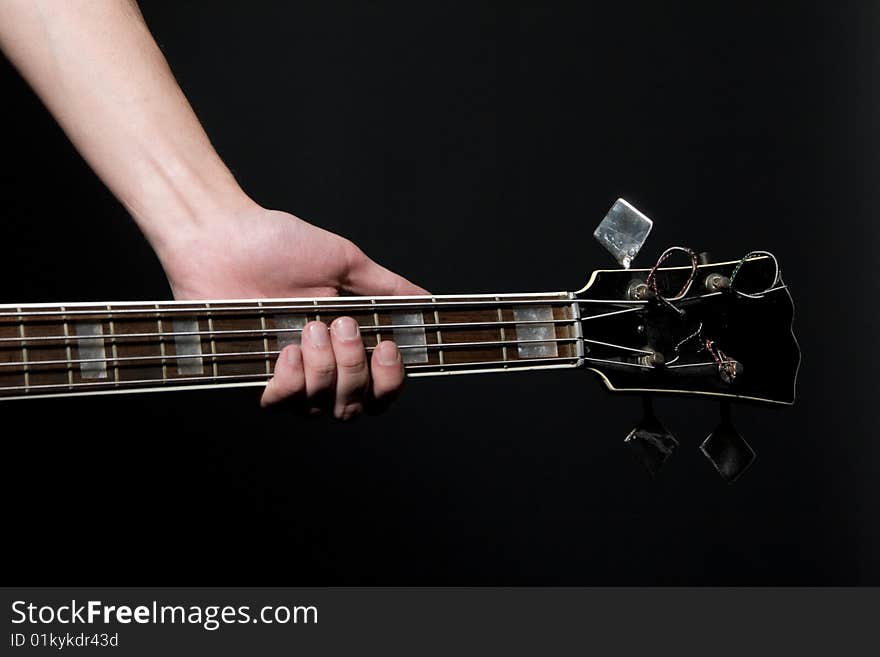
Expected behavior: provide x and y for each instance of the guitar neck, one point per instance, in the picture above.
(92, 348)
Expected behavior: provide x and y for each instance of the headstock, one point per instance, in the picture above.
(715, 340)
(718, 330)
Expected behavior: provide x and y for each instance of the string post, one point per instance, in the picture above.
(654, 359)
(716, 282)
(639, 291)
(729, 370)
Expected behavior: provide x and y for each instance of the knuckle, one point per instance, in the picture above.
(352, 365)
(323, 370)
(354, 257)
(352, 251)
(347, 412)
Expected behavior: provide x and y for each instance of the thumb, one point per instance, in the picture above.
(367, 277)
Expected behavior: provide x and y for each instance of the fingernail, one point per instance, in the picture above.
(292, 356)
(318, 335)
(345, 328)
(388, 353)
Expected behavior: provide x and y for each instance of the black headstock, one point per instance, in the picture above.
(720, 330)
(716, 330)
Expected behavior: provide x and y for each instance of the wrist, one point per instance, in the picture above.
(176, 203)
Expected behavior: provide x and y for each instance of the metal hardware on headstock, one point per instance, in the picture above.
(726, 449)
(623, 232)
(650, 440)
(718, 330)
(715, 282)
(639, 291)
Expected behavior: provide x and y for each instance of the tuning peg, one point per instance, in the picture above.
(726, 449)
(623, 231)
(651, 442)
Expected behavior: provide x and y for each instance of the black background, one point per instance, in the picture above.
(473, 147)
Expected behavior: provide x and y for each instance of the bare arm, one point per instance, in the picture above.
(98, 69)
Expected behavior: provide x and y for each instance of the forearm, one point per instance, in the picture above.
(119, 103)
(101, 74)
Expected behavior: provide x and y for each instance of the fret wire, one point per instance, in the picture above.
(213, 342)
(113, 350)
(265, 338)
(439, 335)
(24, 355)
(162, 345)
(490, 303)
(68, 350)
(252, 332)
(515, 364)
(376, 324)
(503, 334)
(446, 345)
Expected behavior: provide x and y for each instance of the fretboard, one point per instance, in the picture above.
(96, 348)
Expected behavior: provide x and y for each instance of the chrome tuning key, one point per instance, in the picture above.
(651, 442)
(726, 449)
(623, 232)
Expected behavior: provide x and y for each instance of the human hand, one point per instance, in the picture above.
(104, 78)
(257, 253)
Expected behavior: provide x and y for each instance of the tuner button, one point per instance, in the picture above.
(650, 441)
(728, 451)
(623, 231)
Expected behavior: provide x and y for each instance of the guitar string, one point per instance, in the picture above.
(340, 304)
(651, 279)
(243, 333)
(739, 266)
(433, 304)
(508, 364)
(151, 316)
(310, 308)
(159, 383)
(343, 305)
(263, 332)
(67, 339)
(32, 365)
